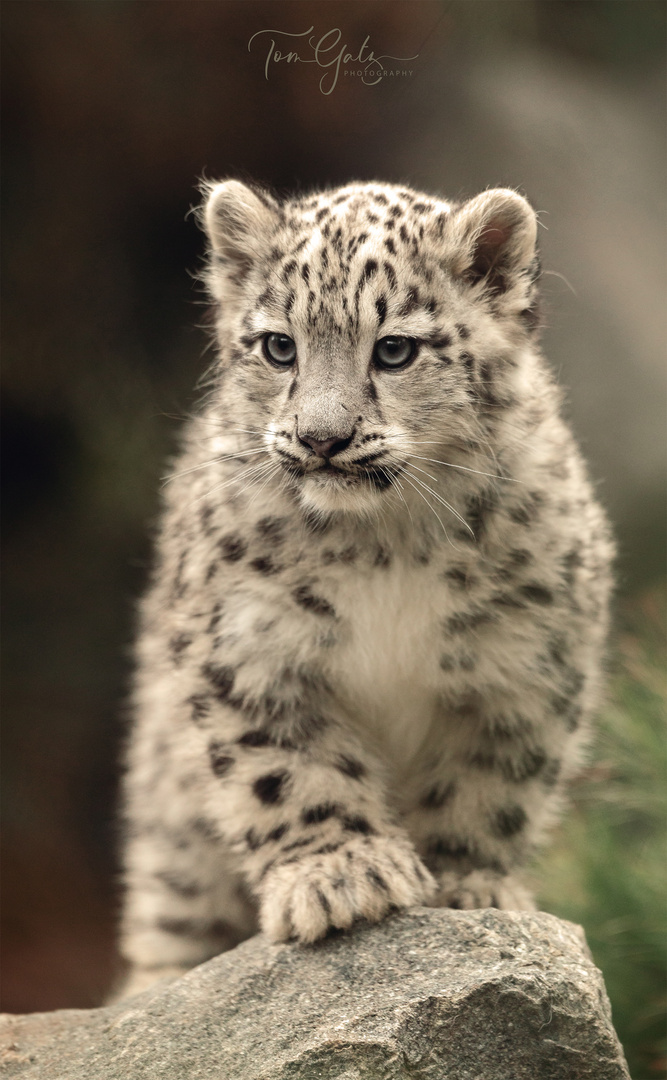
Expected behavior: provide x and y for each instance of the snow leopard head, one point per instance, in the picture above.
(363, 324)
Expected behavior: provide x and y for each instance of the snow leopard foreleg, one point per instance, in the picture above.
(312, 829)
(481, 811)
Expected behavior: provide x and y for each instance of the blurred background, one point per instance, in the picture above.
(112, 110)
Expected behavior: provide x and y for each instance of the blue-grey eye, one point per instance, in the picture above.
(279, 349)
(394, 352)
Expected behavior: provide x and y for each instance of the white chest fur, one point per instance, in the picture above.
(387, 670)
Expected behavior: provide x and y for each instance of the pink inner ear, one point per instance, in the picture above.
(491, 239)
(490, 253)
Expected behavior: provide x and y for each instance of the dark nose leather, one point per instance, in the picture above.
(326, 448)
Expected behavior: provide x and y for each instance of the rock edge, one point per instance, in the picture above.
(428, 994)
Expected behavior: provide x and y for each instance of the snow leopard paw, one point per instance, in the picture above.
(482, 889)
(363, 878)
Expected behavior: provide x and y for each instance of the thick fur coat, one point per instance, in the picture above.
(373, 640)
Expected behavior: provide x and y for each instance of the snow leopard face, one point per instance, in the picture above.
(367, 323)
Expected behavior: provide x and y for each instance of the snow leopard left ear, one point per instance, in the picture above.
(495, 236)
(238, 221)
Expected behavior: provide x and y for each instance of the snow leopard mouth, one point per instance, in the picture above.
(330, 470)
(378, 477)
(327, 474)
(331, 475)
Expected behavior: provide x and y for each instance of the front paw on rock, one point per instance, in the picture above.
(364, 878)
(482, 889)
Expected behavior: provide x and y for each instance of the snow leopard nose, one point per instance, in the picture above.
(326, 448)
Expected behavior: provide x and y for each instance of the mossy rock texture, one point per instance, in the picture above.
(426, 995)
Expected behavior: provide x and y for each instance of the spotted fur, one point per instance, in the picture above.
(373, 640)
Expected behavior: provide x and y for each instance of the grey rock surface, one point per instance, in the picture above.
(425, 995)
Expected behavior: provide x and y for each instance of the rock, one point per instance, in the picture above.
(426, 995)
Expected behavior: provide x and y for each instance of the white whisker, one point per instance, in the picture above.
(465, 468)
(430, 475)
(213, 461)
(398, 487)
(246, 474)
(443, 502)
(431, 508)
(269, 476)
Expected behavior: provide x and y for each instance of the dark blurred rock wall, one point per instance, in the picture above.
(112, 110)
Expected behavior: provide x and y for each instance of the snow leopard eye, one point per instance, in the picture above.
(279, 349)
(394, 352)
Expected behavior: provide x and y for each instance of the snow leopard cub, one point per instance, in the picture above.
(373, 639)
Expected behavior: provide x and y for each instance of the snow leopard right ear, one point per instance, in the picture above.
(238, 221)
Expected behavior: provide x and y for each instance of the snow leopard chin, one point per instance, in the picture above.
(336, 494)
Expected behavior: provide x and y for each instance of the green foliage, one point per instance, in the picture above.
(607, 869)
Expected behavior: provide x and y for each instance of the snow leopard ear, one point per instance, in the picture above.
(238, 221)
(495, 234)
